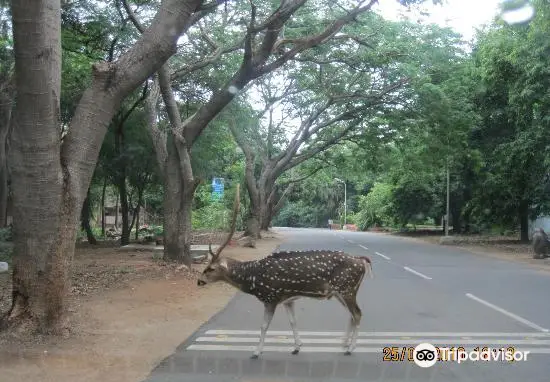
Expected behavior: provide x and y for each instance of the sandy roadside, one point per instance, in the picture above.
(120, 335)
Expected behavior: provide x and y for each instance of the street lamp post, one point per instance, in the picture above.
(345, 199)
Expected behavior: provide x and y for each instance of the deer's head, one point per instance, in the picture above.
(217, 268)
(214, 271)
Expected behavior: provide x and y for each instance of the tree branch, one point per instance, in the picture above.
(157, 135)
(308, 42)
(302, 178)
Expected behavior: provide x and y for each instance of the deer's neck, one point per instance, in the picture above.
(241, 274)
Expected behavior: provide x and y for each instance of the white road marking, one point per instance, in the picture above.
(378, 334)
(379, 341)
(417, 273)
(507, 313)
(318, 349)
(351, 241)
(362, 246)
(382, 255)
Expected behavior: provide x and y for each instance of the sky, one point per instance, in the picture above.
(461, 15)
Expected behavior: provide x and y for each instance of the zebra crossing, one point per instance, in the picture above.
(368, 342)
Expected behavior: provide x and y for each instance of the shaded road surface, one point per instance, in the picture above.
(420, 293)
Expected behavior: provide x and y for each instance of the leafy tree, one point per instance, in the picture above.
(513, 101)
(264, 50)
(51, 177)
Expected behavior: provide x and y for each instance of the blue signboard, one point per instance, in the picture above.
(217, 188)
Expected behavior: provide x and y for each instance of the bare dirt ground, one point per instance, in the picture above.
(500, 247)
(128, 312)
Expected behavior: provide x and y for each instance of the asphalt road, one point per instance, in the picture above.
(420, 293)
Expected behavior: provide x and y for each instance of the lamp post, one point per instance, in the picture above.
(345, 199)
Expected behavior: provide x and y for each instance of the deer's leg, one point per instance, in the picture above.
(292, 318)
(347, 337)
(269, 311)
(355, 321)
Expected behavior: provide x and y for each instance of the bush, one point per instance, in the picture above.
(375, 208)
(6, 234)
(211, 216)
(6, 253)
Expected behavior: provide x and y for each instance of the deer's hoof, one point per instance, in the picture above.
(347, 352)
(254, 356)
(295, 351)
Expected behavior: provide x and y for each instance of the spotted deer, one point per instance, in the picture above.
(284, 277)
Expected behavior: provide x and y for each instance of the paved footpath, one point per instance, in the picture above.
(421, 293)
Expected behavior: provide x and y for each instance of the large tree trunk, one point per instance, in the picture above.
(44, 219)
(252, 227)
(50, 176)
(85, 220)
(254, 217)
(265, 216)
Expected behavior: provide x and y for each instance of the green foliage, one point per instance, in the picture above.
(210, 214)
(375, 209)
(6, 234)
(298, 214)
(6, 253)
(411, 201)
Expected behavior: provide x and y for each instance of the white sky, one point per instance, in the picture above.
(461, 15)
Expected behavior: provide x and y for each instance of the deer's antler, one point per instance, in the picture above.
(236, 205)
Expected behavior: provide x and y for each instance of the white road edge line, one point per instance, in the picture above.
(378, 334)
(417, 273)
(318, 349)
(362, 246)
(351, 241)
(382, 255)
(507, 313)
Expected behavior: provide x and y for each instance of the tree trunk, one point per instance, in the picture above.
(253, 223)
(124, 211)
(265, 216)
(178, 202)
(103, 192)
(253, 219)
(524, 221)
(136, 214)
(116, 209)
(4, 176)
(137, 211)
(85, 220)
(6, 103)
(44, 218)
(456, 219)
